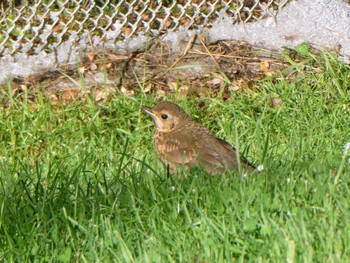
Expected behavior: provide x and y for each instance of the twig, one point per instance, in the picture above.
(205, 47)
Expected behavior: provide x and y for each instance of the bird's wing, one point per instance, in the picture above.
(232, 153)
(215, 155)
(179, 152)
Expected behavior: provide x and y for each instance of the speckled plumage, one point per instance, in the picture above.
(180, 141)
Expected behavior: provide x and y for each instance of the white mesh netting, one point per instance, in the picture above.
(42, 35)
(35, 26)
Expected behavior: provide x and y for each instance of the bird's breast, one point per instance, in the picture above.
(166, 142)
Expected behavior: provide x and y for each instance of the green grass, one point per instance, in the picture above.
(81, 183)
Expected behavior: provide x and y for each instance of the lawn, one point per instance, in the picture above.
(80, 182)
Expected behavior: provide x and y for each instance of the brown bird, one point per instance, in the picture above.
(180, 141)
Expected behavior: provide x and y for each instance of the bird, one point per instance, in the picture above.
(179, 141)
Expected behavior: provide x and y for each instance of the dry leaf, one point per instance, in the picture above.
(276, 103)
(100, 95)
(172, 85)
(123, 90)
(265, 66)
(81, 70)
(54, 99)
(217, 82)
(112, 89)
(127, 92)
(57, 28)
(183, 91)
(234, 88)
(114, 57)
(93, 66)
(167, 23)
(185, 21)
(70, 94)
(23, 88)
(148, 88)
(184, 88)
(145, 17)
(90, 55)
(128, 31)
(160, 93)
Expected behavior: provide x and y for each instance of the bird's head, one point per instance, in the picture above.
(167, 116)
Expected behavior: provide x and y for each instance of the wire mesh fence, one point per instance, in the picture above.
(32, 27)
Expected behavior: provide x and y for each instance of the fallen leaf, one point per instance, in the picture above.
(90, 55)
(167, 23)
(145, 17)
(54, 99)
(93, 66)
(172, 85)
(57, 28)
(70, 94)
(234, 88)
(276, 103)
(100, 95)
(148, 88)
(127, 92)
(265, 66)
(185, 21)
(23, 88)
(81, 70)
(114, 57)
(217, 82)
(128, 31)
(183, 91)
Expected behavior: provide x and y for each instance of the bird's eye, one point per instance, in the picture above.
(164, 116)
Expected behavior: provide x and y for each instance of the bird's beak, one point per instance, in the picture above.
(148, 110)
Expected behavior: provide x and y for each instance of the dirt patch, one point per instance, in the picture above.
(200, 69)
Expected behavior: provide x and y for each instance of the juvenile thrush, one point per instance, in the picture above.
(180, 141)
